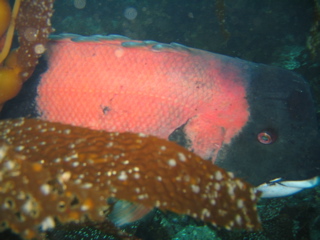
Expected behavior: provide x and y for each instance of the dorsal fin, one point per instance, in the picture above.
(124, 42)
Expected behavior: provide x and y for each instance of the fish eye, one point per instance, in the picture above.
(267, 136)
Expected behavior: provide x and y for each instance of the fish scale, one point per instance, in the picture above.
(125, 85)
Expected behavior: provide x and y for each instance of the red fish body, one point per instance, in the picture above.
(222, 108)
(121, 85)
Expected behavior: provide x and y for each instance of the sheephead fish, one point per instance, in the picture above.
(255, 120)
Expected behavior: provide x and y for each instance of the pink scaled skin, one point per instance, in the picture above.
(103, 85)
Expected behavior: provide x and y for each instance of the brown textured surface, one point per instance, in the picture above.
(65, 173)
(33, 26)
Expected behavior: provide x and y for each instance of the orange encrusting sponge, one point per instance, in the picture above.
(76, 170)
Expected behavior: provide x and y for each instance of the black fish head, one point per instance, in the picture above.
(281, 138)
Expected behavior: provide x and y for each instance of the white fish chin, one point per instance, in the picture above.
(278, 188)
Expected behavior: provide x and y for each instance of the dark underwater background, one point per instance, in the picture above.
(283, 33)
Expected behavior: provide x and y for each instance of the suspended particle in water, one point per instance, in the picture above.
(190, 15)
(80, 4)
(130, 13)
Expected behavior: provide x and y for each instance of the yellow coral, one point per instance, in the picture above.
(6, 11)
(5, 17)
